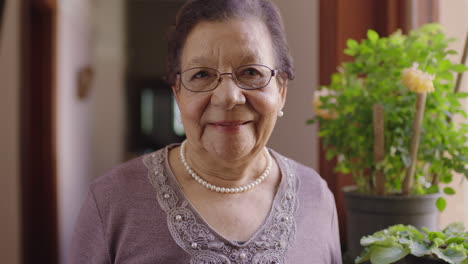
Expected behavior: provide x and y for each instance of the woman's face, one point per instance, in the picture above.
(229, 122)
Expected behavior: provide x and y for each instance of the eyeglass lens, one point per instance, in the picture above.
(202, 79)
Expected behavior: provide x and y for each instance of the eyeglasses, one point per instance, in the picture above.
(248, 77)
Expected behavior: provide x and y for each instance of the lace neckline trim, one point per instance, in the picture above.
(188, 229)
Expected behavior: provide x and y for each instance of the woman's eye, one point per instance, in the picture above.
(200, 75)
(251, 72)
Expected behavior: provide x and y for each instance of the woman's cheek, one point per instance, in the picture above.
(266, 103)
(192, 111)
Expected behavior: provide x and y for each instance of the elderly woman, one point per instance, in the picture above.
(221, 196)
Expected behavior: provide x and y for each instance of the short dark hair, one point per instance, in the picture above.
(196, 11)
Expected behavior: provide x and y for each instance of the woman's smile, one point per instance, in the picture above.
(226, 126)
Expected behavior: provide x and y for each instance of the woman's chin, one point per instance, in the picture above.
(230, 148)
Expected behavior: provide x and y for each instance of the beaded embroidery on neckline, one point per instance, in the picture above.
(205, 245)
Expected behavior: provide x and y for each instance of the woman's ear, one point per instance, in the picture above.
(176, 89)
(283, 89)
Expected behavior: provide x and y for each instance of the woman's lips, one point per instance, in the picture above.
(229, 126)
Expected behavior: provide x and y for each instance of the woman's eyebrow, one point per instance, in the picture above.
(249, 58)
(203, 61)
(198, 61)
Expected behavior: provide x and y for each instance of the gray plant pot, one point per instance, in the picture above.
(367, 214)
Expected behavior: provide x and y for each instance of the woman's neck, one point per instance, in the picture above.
(227, 173)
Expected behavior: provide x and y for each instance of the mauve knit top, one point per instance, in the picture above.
(137, 213)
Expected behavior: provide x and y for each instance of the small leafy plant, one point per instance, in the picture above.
(406, 76)
(398, 241)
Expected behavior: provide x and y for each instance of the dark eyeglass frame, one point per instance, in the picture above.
(273, 73)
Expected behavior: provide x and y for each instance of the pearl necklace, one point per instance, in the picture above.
(219, 189)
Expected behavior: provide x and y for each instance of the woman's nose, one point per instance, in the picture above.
(227, 95)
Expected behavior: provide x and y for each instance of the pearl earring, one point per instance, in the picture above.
(280, 113)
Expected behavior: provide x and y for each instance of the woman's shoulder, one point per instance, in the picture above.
(126, 178)
(121, 174)
(309, 182)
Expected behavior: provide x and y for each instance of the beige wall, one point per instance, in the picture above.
(291, 136)
(108, 102)
(9, 140)
(75, 153)
(90, 131)
(453, 16)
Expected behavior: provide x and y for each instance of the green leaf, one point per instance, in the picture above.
(352, 44)
(447, 178)
(349, 52)
(418, 248)
(455, 240)
(433, 189)
(365, 256)
(369, 240)
(451, 52)
(449, 191)
(444, 65)
(454, 228)
(441, 204)
(310, 121)
(330, 155)
(459, 68)
(437, 242)
(461, 95)
(438, 252)
(386, 255)
(372, 36)
(455, 252)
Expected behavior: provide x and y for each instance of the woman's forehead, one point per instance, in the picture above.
(234, 42)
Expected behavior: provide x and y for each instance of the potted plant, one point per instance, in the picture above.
(405, 244)
(386, 118)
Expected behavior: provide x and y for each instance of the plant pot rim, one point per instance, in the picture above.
(351, 190)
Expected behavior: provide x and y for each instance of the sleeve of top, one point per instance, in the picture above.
(335, 239)
(88, 242)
